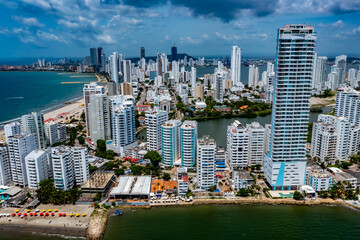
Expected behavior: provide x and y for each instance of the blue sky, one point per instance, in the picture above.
(59, 28)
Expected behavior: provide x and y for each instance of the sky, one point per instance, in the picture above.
(68, 28)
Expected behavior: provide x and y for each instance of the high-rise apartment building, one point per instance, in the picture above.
(89, 90)
(114, 70)
(100, 118)
(348, 105)
(319, 79)
(123, 124)
(81, 164)
(236, 65)
(206, 148)
(37, 167)
(142, 52)
(34, 122)
(174, 53)
(51, 133)
(12, 129)
(340, 63)
(285, 164)
(5, 168)
(63, 167)
(126, 71)
(188, 138)
(19, 147)
(220, 77)
(238, 145)
(256, 143)
(153, 120)
(170, 142)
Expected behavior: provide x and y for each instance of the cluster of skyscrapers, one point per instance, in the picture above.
(28, 158)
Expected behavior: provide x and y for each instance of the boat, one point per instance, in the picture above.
(118, 212)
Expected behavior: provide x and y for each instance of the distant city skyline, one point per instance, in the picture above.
(58, 28)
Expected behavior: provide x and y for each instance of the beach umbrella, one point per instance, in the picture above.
(46, 214)
(35, 214)
(13, 214)
(41, 214)
(28, 210)
(55, 210)
(71, 214)
(31, 214)
(52, 214)
(19, 214)
(60, 214)
(17, 210)
(49, 210)
(44, 210)
(84, 214)
(64, 214)
(77, 215)
(25, 214)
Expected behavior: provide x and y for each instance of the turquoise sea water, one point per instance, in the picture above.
(236, 222)
(24, 92)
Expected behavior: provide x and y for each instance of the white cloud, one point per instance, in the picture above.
(31, 21)
(339, 24)
(68, 24)
(105, 38)
(191, 40)
(49, 36)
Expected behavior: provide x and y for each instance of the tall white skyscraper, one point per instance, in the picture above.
(170, 142)
(348, 105)
(220, 77)
(5, 168)
(51, 133)
(256, 143)
(100, 121)
(34, 122)
(175, 71)
(253, 76)
(319, 78)
(127, 71)
(206, 148)
(81, 164)
(285, 165)
(153, 121)
(37, 167)
(236, 66)
(340, 63)
(193, 80)
(123, 124)
(19, 147)
(188, 136)
(63, 167)
(12, 129)
(114, 69)
(237, 145)
(89, 90)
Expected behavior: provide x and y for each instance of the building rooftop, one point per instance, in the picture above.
(189, 124)
(132, 185)
(206, 140)
(242, 174)
(98, 180)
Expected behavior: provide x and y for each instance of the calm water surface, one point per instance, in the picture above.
(236, 222)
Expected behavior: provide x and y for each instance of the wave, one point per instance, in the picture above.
(14, 98)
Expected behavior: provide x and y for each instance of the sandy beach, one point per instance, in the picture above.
(73, 109)
(72, 226)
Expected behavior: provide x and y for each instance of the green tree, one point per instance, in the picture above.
(82, 116)
(119, 171)
(212, 188)
(298, 195)
(81, 140)
(136, 169)
(92, 168)
(243, 192)
(154, 157)
(166, 176)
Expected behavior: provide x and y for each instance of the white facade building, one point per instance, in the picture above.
(153, 121)
(12, 129)
(206, 148)
(63, 167)
(236, 66)
(37, 167)
(51, 133)
(89, 90)
(318, 178)
(256, 143)
(100, 118)
(348, 105)
(188, 138)
(170, 142)
(19, 147)
(285, 164)
(5, 168)
(182, 181)
(34, 123)
(238, 145)
(81, 164)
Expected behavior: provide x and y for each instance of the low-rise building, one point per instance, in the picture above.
(242, 179)
(182, 181)
(130, 187)
(318, 178)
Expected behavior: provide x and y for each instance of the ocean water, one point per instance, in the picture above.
(24, 92)
(236, 222)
